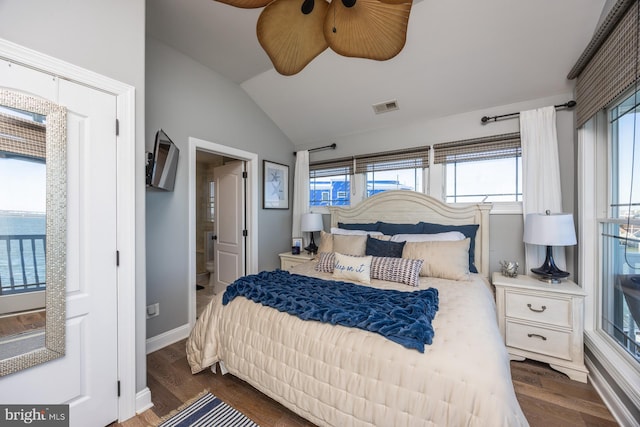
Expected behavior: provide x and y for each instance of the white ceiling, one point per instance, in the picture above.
(460, 56)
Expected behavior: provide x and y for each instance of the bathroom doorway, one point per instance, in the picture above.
(205, 234)
(220, 216)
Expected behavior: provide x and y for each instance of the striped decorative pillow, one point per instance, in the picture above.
(326, 262)
(401, 270)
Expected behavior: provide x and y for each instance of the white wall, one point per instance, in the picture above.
(106, 37)
(507, 243)
(186, 99)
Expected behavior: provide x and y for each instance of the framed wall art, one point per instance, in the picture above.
(275, 190)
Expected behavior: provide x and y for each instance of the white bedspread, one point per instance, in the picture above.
(338, 376)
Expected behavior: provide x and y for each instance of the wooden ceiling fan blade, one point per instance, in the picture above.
(367, 28)
(246, 4)
(395, 1)
(290, 32)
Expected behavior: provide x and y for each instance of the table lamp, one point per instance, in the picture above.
(311, 222)
(549, 230)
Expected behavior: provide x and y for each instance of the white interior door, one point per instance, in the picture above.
(86, 377)
(229, 224)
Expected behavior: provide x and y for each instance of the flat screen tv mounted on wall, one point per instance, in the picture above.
(163, 163)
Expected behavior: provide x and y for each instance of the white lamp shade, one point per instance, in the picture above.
(549, 230)
(311, 222)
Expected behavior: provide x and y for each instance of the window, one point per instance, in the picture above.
(485, 169)
(495, 180)
(330, 182)
(398, 179)
(621, 231)
(333, 190)
(605, 71)
(393, 170)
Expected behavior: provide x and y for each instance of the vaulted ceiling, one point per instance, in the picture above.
(460, 56)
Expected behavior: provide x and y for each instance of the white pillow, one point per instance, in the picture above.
(448, 236)
(336, 230)
(356, 268)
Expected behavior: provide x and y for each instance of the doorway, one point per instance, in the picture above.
(200, 153)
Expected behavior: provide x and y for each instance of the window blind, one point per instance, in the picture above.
(486, 148)
(22, 137)
(607, 68)
(393, 160)
(343, 166)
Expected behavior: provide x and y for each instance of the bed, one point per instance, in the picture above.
(334, 375)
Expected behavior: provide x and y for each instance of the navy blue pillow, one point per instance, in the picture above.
(468, 231)
(391, 229)
(373, 226)
(382, 248)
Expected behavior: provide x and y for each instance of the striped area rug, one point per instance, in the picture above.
(206, 410)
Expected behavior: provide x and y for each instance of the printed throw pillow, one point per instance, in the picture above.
(381, 248)
(400, 270)
(356, 268)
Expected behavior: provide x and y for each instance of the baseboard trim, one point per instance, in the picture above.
(619, 411)
(143, 400)
(167, 338)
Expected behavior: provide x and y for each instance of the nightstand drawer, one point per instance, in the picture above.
(289, 260)
(539, 340)
(288, 264)
(552, 311)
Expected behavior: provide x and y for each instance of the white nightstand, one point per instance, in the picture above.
(289, 260)
(542, 321)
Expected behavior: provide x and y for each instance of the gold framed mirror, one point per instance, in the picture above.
(32, 130)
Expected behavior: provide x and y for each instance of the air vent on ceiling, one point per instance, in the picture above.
(385, 107)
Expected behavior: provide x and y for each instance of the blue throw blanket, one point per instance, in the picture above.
(402, 317)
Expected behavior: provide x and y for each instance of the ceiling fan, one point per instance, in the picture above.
(294, 32)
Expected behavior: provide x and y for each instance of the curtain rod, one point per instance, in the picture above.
(326, 147)
(485, 119)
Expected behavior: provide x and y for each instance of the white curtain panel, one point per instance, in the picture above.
(300, 192)
(540, 176)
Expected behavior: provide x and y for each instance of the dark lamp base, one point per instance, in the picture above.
(312, 248)
(548, 271)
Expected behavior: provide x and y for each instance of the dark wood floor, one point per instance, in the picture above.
(548, 398)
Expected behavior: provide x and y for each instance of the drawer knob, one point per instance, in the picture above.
(544, 307)
(543, 338)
